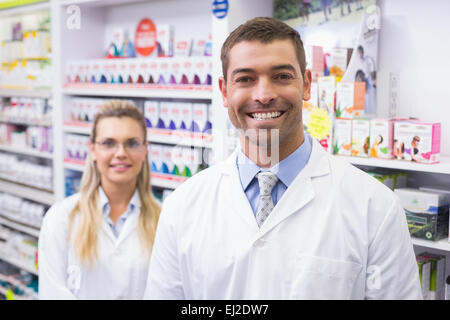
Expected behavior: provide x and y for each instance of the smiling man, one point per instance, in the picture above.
(280, 218)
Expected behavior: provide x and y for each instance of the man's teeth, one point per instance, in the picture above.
(267, 115)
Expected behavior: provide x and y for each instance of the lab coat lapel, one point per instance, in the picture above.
(301, 191)
(239, 204)
(129, 227)
(107, 230)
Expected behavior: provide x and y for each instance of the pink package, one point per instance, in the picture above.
(417, 141)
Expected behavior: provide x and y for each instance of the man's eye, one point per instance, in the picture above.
(243, 79)
(284, 76)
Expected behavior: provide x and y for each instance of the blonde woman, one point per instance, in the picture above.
(96, 244)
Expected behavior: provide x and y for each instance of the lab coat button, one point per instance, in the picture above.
(260, 243)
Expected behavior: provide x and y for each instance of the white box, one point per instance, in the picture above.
(326, 90)
(186, 115)
(199, 117)
(381, 138)
(342, 137)
(360, 137)
(151, 112)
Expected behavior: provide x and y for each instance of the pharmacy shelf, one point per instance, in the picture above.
(168, 181)
(23, 9)
(16, 284)
(97, 3)
(442, 244)
(27, 151)
(26, 93)
(198, 92)
(32, 231)
(23, 123)
(443, 167)
(75, 165)
(19, 264)
(184, 138)
(27, 192)
(77, 127)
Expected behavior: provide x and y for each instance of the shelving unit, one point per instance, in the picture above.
(27, 151)
(27, 192)
(19, 264)
(33, 231)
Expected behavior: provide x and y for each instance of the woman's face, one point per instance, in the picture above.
(119, 150)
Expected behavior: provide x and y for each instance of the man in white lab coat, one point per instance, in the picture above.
(280, 218)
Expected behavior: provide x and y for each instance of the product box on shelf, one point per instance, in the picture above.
(436, 289)
(350, 99)
(175, 115)
(164, 115)
(381, 138)
(342, 137)
(168, 165)
(424, 275)
(426, 212)
(360, 137)
(417, 141)
(326, 91)
(155, 155)
(193, 161)
(314, 61)
(441, 190)
(183, 48)
(165, 39)
(200, 121)
(339, 60)
(186, 115)
(392, 179)
(151, 111)
(178, 161)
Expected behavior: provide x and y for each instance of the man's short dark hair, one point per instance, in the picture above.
(265, 30)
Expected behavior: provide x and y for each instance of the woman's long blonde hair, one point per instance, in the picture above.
(88, 208)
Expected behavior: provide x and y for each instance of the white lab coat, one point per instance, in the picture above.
(119, 273)
(336, 233)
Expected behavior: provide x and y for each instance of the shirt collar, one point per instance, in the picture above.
(135, 202)
(286, 170)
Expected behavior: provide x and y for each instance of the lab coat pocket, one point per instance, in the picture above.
(73, 278)
(320, 278)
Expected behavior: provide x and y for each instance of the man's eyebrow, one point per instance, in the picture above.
(284, 66)
(241, 70)
(275, 68)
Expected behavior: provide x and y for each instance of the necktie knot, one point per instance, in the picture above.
(266, 180)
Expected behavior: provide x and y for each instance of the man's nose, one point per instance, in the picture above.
(264, 92)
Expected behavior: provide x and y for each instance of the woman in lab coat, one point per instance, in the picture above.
(96, 244)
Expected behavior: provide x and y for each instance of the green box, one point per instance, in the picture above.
(436, 290)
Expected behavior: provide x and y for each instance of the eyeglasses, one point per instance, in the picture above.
(111, 145)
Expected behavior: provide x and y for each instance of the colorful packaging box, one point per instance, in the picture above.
(165, 39)
(175, 115)
(426, 213)
(417, 141)
(164, 115)
(339, 58)
(392, 179)
(381, 138)
(192, 158)
(155, 155)
(151, 112)
(442, 191)
(186, 115)
(168, 165)
(424, 275)
(326, 90)
(342, 137)
(200, 121)
(314, 61)
(178, 160)
(360, 137)
(436, 289)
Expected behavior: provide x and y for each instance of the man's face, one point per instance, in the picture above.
(265, 89)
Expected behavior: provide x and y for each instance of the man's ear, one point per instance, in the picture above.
(223, 90)
(307, 85)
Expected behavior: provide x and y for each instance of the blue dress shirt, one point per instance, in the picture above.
(133, 207)
(286, 171)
